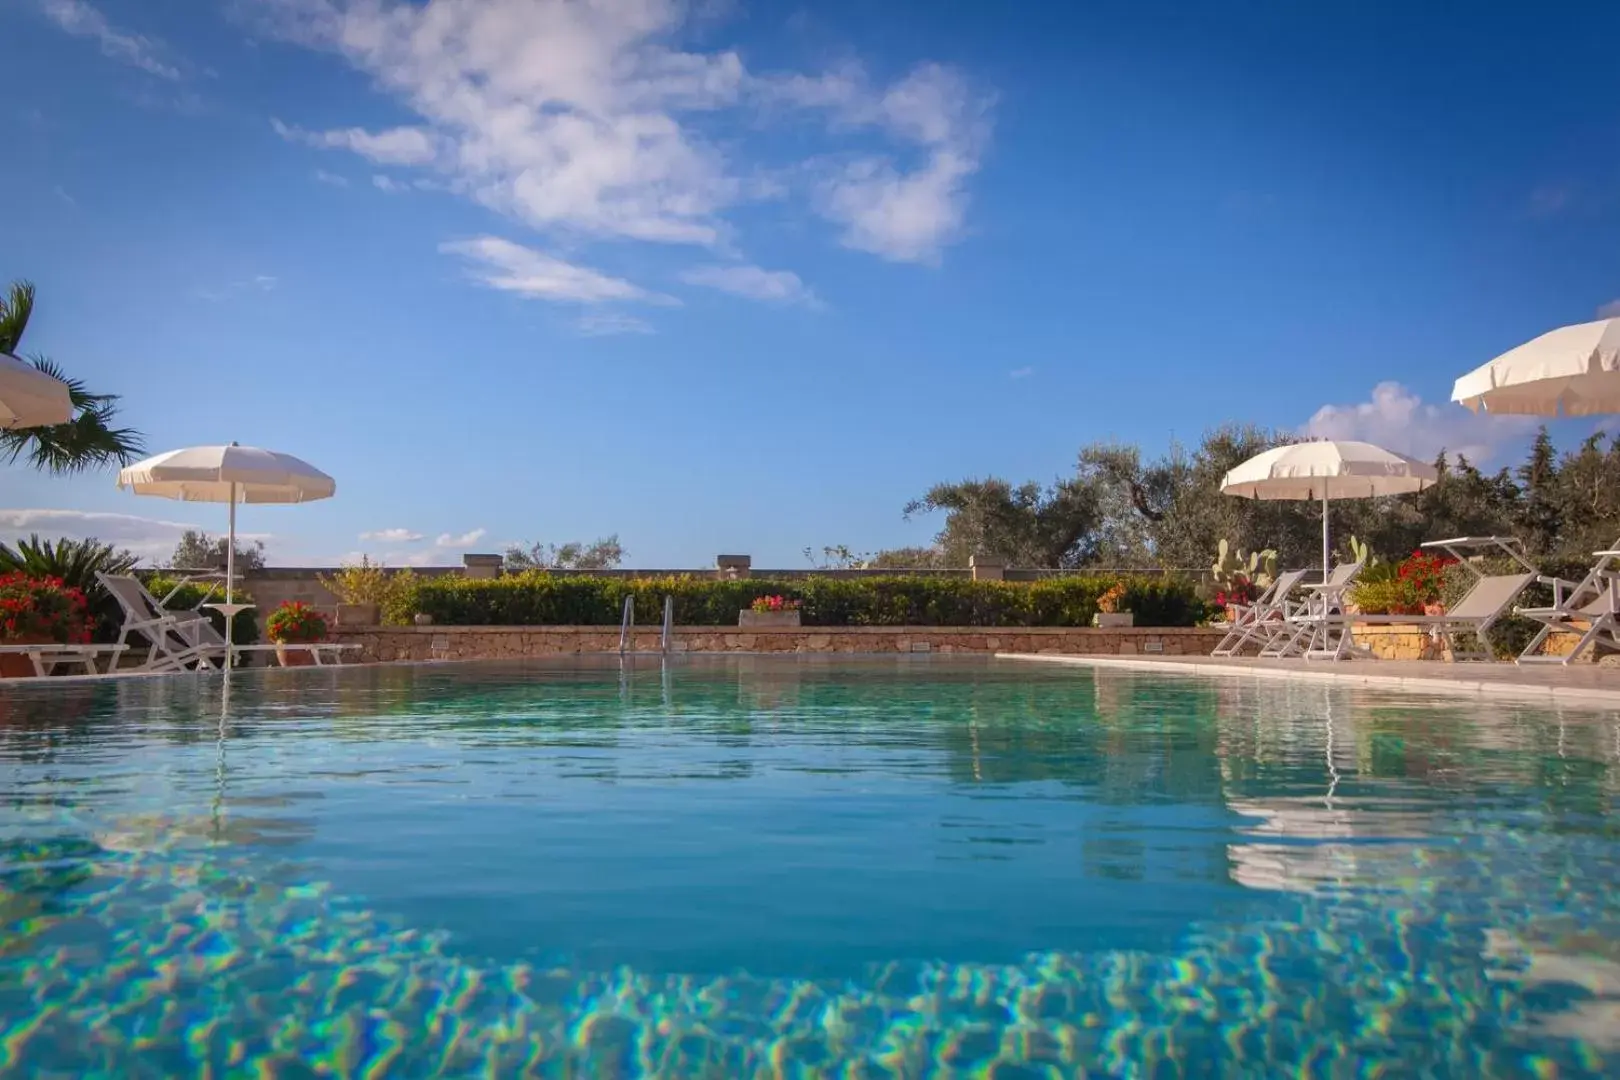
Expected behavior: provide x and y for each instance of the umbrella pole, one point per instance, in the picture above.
(230, 582)
(1326, 550)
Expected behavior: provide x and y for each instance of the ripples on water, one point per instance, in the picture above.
(771, 868)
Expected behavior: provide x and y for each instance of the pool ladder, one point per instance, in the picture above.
(627, 626)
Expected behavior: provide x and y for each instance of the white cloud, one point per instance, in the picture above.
(81, 19)
(466, 539)
(906, 215)
(752, 282)
(1020, 373)
(591, 118)
(609, 323)
(1398, 419)
(396, 146)
(501, 264)
(392, 536)
(388, 184)
(1611, 310)
(331, 178)
(153, 539)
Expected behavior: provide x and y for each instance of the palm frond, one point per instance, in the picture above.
(15, 308)
(89, 440)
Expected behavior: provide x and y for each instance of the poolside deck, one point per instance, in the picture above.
(1578, 684)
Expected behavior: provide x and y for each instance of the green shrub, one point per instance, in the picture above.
(244, 632)
(540, 599)
(366, 582)
(1390, 596)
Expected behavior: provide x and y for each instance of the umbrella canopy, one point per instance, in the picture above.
(30, 398)
(228, 474)
(1329, 469)
(234, 474)
(1571, 371)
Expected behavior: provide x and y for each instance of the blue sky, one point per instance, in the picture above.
(722, 276)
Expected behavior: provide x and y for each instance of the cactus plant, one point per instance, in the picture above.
(1259, 568)
(1361, 553)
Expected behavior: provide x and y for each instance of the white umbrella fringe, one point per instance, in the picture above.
(1570, 371)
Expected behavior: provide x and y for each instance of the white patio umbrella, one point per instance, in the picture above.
(29, 398)
(228, 474)
(1326, 470)
(1571, 371)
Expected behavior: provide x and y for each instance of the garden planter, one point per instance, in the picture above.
(1113, 620)
(19, 665)
(358, 615)
(293, 657)
(762, 619)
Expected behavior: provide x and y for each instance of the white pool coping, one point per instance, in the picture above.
(1577, 685)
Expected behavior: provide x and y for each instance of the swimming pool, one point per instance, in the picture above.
(749, 867)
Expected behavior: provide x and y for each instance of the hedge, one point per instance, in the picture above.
(244, 630)
(539, 599)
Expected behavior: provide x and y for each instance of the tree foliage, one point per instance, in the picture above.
(1124, 509)
(88, 441)
(604, 554)
(198, 550)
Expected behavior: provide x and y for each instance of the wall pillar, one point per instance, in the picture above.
(481, 567)
(988, 567)
(731, 567)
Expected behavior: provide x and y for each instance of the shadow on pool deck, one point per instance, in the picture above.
(1579, 683)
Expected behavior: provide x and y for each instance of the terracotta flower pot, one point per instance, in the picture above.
(293, 657)
(19, 665)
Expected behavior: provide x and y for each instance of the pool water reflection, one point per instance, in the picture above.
(753, 867)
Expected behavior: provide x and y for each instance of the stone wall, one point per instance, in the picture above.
(515, 642)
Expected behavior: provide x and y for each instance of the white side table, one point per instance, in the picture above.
(230, 611)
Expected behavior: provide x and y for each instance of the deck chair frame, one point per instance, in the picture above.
(1299, 634)
(1594, 600)
(1257, 622)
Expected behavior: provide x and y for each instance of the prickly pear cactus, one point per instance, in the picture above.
(1258, 567)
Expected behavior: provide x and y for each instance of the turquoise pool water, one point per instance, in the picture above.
(753, 868)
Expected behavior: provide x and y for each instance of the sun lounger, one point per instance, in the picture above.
(1257, 622)
(183, 640)
(1299, 634)
(1489, 600)
(48, 656)
(1589, 607)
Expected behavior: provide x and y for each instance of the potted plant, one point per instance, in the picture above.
(295, 623)
(770, 611)
(38, 611)
(1109, 614)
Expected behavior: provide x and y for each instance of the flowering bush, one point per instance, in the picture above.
(1240, 591)
(1108, 603)
(42, 608)
(1415, 587)
(1426, 574)
(775, 603)
(295, 623)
